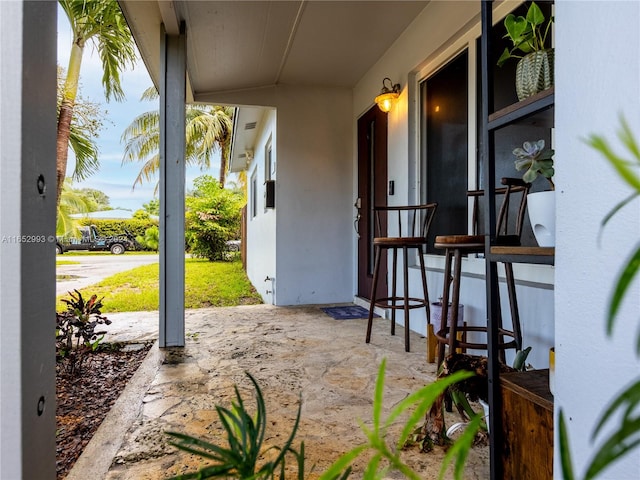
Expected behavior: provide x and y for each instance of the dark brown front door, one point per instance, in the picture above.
(372, 191)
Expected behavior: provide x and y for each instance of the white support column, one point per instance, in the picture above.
(27, 229)
(172, 178)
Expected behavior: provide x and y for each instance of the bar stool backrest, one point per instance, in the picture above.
(407, 221)
(515, 191)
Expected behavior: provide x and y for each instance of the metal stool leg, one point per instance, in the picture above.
(425, 291)
(445, 304)
(455, 301)
(407, 346)
(393, 291)
(513, 304)
(372, 305)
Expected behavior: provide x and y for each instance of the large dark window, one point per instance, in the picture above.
(444, 145)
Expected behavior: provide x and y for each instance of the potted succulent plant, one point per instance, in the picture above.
(541, 206)
(528, 35)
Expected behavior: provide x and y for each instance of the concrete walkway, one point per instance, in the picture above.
(293, 353)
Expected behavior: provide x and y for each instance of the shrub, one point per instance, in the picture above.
(117, 227)
(150, 240)
(76, 333)
(212, 218)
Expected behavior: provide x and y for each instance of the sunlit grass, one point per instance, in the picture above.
(207, 284)
(66, 262)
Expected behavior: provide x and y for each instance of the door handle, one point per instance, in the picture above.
(356, 225)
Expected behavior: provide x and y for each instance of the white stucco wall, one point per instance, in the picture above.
(315, 207)
(597, 79)
(313, 218)
(261, 228)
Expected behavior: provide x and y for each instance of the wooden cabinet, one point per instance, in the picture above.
(527, 425)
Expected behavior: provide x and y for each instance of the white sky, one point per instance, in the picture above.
(114, 179)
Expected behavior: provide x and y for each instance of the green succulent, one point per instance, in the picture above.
(536, 160)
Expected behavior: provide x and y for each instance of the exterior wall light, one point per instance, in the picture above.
(388, 95)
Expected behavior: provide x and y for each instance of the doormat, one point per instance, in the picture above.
(347, 312)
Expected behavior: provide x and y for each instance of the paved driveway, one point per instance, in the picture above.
(91, 268)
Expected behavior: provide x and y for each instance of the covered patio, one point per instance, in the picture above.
(294, 353)
(316, 88)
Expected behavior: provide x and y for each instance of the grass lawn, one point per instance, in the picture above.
(66, 262)
(207, 284)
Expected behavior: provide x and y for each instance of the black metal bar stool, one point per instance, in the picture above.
(412, 223)
(456, 246)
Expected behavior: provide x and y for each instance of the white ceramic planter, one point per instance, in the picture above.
(541, 207)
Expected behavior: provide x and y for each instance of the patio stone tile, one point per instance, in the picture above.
(293, 353)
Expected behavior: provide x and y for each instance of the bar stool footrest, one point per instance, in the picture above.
(443, 337)
(387, 302)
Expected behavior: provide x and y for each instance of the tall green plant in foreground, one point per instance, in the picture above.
(245, 435)
(626, 405)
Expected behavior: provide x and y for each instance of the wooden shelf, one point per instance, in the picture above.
(534, 110)
(536, 255)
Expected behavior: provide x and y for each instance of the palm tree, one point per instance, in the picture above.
(208, 129)
(71, 201)
(100, 22)
(85, 124)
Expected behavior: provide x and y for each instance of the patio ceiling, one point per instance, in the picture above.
(238, 45)
(247, 45)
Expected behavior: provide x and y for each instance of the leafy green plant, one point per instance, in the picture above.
(625, 406)
(245, 437)
(212, 218)
(527, 34)
(536, 160)
(76, 329)
(151, 239)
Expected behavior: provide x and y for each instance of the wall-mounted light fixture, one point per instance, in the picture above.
(388, 95)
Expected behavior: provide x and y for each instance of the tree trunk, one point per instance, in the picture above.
(66, 114)
(224, 158)
(62, 146)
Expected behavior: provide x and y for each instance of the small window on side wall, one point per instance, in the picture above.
(270, 176)
(269, 162)
(254, 195)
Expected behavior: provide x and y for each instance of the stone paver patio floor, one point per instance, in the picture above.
(293, 352)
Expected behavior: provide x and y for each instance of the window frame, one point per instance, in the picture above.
(254, 193)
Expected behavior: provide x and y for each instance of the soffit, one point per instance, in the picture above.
(237, 45)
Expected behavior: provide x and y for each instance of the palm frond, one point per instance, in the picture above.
(86, 152)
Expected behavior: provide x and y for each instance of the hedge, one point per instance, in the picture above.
(117, 227)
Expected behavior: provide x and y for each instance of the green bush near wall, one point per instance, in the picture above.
(117, 227)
